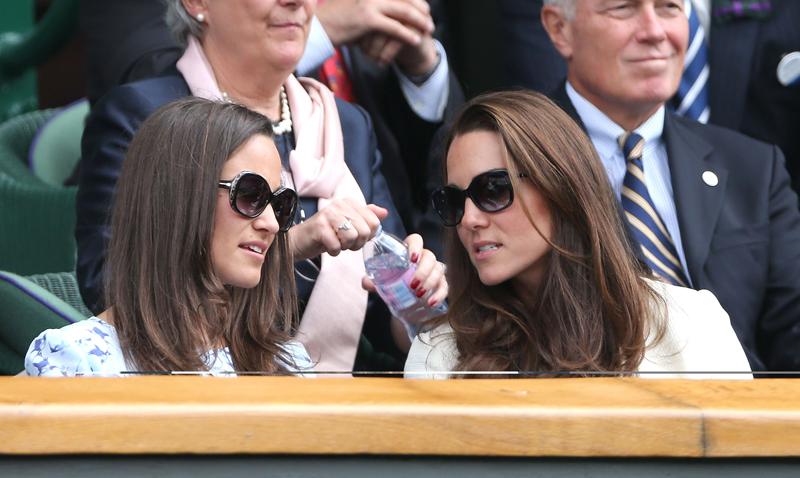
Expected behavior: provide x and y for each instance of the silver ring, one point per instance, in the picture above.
(346, 225)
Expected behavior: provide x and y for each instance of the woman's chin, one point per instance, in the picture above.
(245, 282)
(487, 278)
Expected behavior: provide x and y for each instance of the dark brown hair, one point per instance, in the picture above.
(169, 308)
(593, 310)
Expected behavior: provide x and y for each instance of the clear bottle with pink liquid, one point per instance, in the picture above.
(388, 265)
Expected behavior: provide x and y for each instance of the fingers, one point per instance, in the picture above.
(380, 48)
(372, 45)
(429, 279)
(414, 14)
(389, 51)
(341, 225)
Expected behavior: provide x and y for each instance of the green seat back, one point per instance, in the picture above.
(37, 224)
(56, 148)
(16, 135)
(26, 310)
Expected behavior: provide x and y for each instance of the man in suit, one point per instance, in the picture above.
(721, 202)
(745, 48)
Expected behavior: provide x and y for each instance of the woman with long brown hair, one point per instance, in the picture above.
(542, 278)
(200, 277)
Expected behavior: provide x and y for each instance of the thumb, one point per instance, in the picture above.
(381, 212)
(367, 284)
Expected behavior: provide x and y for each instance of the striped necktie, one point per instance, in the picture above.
(645, 224)
(691, 100)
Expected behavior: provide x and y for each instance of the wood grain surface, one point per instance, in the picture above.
(597, 417)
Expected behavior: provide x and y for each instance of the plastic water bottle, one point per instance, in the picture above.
(387, 263)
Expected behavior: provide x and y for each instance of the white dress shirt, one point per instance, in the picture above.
(428, 100)
(604, 133)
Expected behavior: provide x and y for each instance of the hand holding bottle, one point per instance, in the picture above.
(406, 276)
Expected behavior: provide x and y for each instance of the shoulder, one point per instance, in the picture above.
(143, 97)
(432, 351)
(354, 118)
(683, 303)
(725, 139)
(698, 335)
(87, 347)
(298, 356)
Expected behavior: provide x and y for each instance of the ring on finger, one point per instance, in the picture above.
(346, 225)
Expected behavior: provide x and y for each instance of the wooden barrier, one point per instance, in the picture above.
(533, 417)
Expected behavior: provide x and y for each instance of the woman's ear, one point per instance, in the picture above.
(195, 7)
(558, 28)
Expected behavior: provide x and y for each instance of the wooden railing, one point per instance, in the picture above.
(608, 417)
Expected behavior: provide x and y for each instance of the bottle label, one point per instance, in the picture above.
(398, 294)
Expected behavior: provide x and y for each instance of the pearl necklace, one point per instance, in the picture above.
(282, 126)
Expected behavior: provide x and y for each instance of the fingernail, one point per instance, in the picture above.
(414, 259)
(431, 302)
(421, 292)
(414, 283)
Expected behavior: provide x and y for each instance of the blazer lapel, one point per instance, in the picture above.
(698, 204)
(731, 50)
(561, 98)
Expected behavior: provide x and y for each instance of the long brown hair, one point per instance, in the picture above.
(592, 309)
(169, 308)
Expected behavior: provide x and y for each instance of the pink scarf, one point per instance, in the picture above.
(331, 324)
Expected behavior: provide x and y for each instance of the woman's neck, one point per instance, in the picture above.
(253, 85)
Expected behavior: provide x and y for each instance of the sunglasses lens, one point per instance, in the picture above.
(284, 203)
(252, 194)
(448, 202)
(492, 192)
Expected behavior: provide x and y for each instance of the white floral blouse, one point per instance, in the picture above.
(91, 347)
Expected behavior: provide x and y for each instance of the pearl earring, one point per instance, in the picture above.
(200, 17)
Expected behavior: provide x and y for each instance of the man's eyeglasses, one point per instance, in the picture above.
(490, 192)
(250, 194)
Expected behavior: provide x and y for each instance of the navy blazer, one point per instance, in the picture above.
(742, 236)
(110, 128)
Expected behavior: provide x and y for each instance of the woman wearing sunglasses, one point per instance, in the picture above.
(542, 279)
(199, 272)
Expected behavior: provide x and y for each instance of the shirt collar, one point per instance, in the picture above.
(604, 132)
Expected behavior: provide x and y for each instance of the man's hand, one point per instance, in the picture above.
(348, 21)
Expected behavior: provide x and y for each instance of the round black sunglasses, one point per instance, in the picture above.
(250, 194)
(490, 192)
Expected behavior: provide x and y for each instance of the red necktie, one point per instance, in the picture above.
(334, 74)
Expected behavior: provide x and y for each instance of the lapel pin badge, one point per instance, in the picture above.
(710, 178)
(789, 69)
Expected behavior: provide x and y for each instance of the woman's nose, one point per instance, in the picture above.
(267, 221)
(473, 217)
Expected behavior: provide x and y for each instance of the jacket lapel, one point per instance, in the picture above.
(731, 50)
(698, 204)
(561, 98)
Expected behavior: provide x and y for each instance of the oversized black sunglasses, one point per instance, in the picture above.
(490, 192)
(250, 194)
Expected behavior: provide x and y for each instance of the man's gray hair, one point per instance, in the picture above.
(180, 23)
(566, 6)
